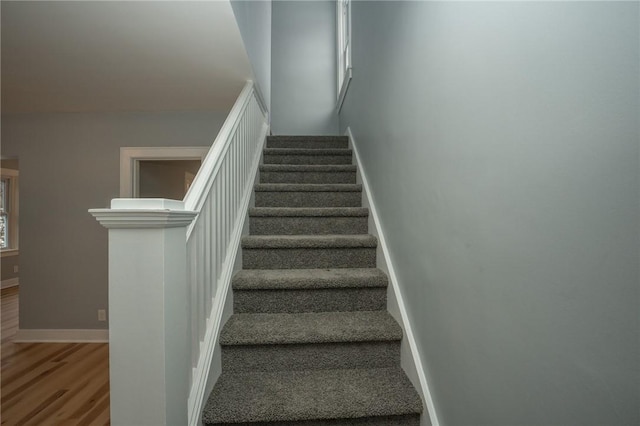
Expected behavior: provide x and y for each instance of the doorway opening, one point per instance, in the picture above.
(158, 172)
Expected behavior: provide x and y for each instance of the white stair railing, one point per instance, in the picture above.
(170, 266)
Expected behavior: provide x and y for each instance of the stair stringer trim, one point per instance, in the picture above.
(409, 354)
(209, 366)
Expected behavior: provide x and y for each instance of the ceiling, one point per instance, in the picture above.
(77, 56)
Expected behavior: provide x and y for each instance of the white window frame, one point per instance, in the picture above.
(12, 214)
(344, 48)
(130, 158)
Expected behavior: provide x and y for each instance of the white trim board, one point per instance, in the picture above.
(409, 356)
(62, 335)
(11, 282)
(10, 252)
(130, 161)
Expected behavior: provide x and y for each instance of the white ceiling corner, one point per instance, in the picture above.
(75, 56)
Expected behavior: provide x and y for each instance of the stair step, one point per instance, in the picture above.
(306, 156)
(324, 397)
(308, 195)
(296, 173)
(307, 142)
(309, 290)
(320, 327)
(298, 221)
(308, 241)
(308, 251)
(301, 279)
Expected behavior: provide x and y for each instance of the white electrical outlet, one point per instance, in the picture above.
(102, 315)
(15, 269)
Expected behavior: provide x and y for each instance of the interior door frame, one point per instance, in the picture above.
(130, 158)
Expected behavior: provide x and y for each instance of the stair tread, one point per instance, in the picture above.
(308, 187)
(299, 279)
(309, 327)
(306, 395)
(307, 138)
(308, 211)
(307, 151)
(308, 168)
(309, 241)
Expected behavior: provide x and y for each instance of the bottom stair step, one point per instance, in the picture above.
(312, 398)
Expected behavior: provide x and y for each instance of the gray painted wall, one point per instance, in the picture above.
(69, 163)
(303, 68)
(501, 140)
(254, 20)
(7, 265)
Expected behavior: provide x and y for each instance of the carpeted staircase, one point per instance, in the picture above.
(310, 342)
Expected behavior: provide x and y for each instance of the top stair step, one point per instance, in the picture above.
(308, 142)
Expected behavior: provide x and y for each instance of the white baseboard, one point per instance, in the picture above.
(61, 336)
(410, 357)
(11, 282)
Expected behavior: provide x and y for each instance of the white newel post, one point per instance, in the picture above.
(149, 327)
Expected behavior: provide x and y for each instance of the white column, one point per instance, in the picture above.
(149, 346)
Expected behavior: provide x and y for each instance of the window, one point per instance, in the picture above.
(344, 48)
(9, 210)
(4, 214)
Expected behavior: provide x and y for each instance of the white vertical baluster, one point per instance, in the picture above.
(225, 208)
(234, 172)
(207, 257)
(213, 254)
(191, 271)
(201, 276)
(218, 228)
(227, 204)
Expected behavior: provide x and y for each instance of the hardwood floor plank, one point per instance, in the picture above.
(50, 383)
(44, 404)
(78, 400)
(97, 411)
(67, 374)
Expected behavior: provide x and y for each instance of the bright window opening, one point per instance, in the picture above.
(344, 48)
(9, 210)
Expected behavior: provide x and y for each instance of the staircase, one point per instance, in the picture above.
(310, 342)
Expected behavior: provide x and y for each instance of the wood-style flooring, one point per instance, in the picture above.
(50, 383)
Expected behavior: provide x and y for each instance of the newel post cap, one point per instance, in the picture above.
(139, 213)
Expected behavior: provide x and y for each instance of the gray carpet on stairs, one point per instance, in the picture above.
(341, 142)
(310, 342)
(310, 300)
(311, 356)
(309, 278)
(318, 327)
(306, 395)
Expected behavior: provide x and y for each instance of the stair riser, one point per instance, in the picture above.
(307, 177)
(278, 225)
(308, 199)
(409, 420)
(308, 258)
(320, 300)
(308, 144)
(306, 159)
(321, 356)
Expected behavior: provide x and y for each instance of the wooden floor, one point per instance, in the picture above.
(50, 383)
